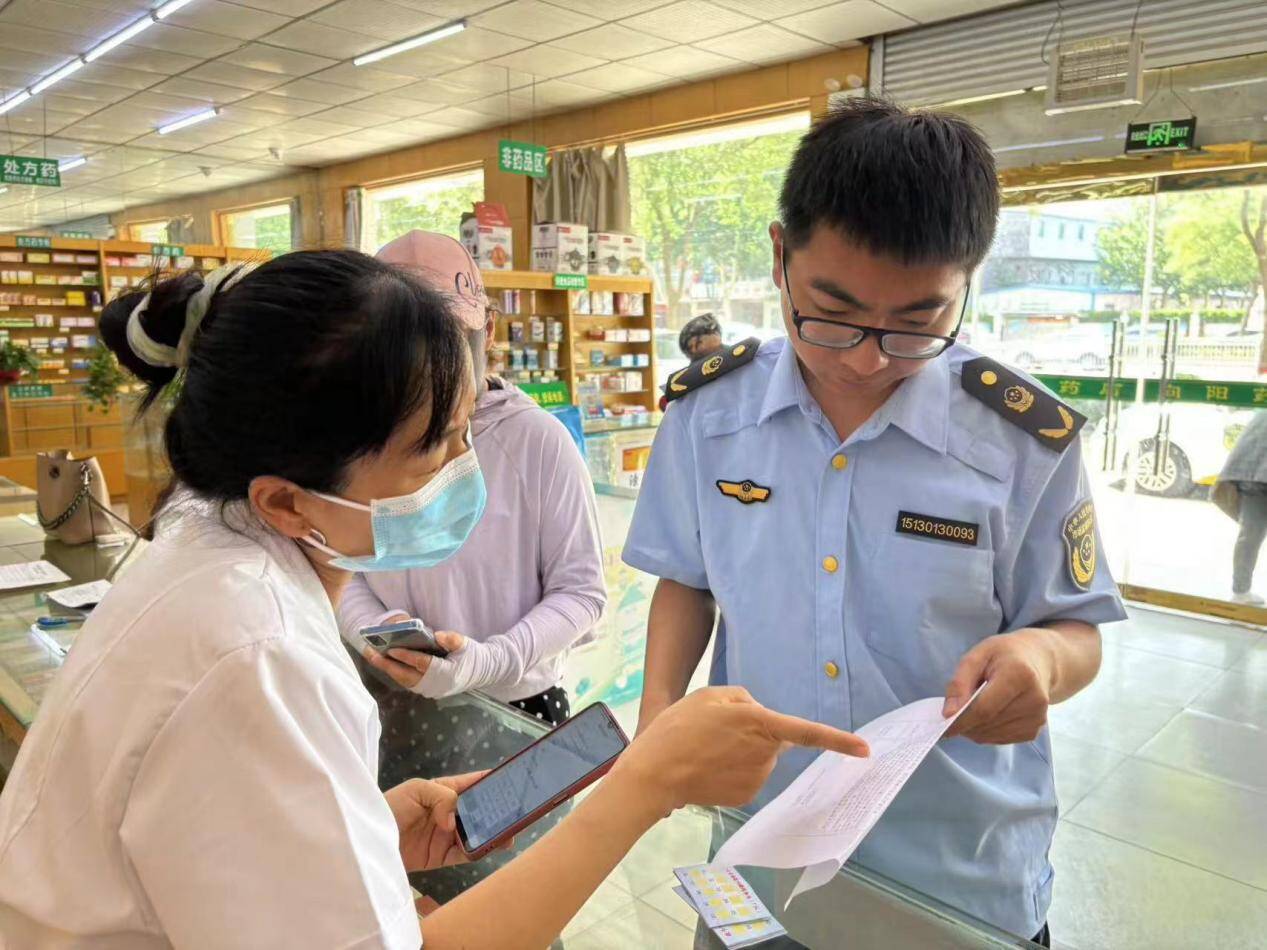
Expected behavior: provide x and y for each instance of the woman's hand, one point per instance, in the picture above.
(426, 815)
(407, 667)
(717, 747)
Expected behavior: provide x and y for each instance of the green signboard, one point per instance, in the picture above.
(80, 235)
(571, 281)
(31, 391)
(522, 158)
(548, 395)
(1169, 135)
(1210, 392)
(167, 250)
(25, 240)
(25, 170)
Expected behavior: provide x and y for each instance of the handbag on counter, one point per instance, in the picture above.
(72, 501)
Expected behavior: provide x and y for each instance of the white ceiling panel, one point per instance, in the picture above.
(111, 74)
(33, 65)
(419, 63)
(385, 135)
(34, 40)
(308, 37)
(38, 123)
(690, 20)
(487, 78)
(102, 130)
(421, 129)
(398, 107)
(232, 152)
(355, 116)
(208, 93)
(464, 120)
(613, 41)
(319, 127)
(536, 21)
(227, 19)
(842, 22)
(283, 105)
(548, 61)
(557, 93)
(615, 9)
(764, 43)
(620, 77)
(437, 91)
(365, 78)
(231, 74)
(389, 22)
(260, 142)
(176, 106)
(83, 21)
(177, 39)
(683, 61)
(268, 58)
(475, 44)
(152, 60)
(314, 91)
(503, 108)
(70, 105)
(929, 11)
(766, 10)
(291, 8)
(451, 9)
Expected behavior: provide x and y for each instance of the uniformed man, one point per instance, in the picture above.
(883, 516)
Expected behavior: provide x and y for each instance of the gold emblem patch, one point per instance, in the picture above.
(1018, 398)
(746, 491)
(674, 385)
(1079, 534)
(712, 366)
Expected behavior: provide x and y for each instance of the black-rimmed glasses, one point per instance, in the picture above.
(839, 335)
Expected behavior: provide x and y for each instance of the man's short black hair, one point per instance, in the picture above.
(916, 186)
(703, 325)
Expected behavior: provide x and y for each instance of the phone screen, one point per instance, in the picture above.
(523, 784)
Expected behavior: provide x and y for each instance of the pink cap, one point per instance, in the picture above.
(445, 266)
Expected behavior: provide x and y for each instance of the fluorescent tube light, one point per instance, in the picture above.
(404, 45)
(14, 100)
(188, 120)
(1210, 86)
(167, 9)
(72, 67)
(67, 164)
(125, 34)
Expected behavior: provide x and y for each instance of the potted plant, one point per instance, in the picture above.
(105, 378)
(15, 361)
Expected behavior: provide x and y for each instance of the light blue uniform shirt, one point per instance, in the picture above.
(889, 625)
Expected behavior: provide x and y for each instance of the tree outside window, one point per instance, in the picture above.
(427, 204)
(266, 228)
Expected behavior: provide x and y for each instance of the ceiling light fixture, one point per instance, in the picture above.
(67, 164)
(14, 100)
(125, 34)
(404, 45)
(167, 9)
(1211, 86)
(188, 120)
(70, 68)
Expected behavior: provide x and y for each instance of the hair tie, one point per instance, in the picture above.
(219, 280)
(146, 348)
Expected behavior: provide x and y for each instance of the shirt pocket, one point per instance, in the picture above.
(937, 603)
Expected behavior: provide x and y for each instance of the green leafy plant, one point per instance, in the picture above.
(105, 378)
(17, 359)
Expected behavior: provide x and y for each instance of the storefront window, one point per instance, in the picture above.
(267, 228)
(703, 201)
(429, 204)
(151, 232)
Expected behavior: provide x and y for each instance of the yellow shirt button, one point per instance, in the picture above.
(831, 669)
(838, 462)
(830, 564)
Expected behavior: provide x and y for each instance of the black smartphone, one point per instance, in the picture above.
(404, 635)
(533, 782)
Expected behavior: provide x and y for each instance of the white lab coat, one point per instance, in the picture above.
(202, 771)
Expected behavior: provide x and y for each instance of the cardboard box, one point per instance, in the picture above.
(560, 248)
(633, 255)
(605, 253)
(487, 236)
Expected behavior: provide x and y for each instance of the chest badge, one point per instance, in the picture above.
(746, 491)
(939, 529)
(1079, 534)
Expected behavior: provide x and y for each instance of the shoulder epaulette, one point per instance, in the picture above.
(1022, 403)
(711, 367)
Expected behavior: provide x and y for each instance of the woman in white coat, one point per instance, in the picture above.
(202, 771)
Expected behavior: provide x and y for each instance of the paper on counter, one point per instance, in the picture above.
(821, 818)
(81, 595)
(728, 905)
(30, 574)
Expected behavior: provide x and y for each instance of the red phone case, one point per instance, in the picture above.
(582, 783)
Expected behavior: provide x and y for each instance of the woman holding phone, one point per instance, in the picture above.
(202, 772)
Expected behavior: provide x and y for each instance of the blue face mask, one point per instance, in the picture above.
(421, 529)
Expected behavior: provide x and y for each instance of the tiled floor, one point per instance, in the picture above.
(1161, 768)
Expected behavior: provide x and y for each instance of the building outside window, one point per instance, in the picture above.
(436, 203)
(150, 232)
(267, 228)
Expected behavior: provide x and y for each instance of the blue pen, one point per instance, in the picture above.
(46, 623)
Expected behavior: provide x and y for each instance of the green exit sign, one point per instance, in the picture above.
(522, 158)
(167, 250)
(571, 281)
(25, 240)
(1168, 135)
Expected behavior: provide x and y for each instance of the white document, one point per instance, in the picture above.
(80, 596)
(821, 818)
(29, 574)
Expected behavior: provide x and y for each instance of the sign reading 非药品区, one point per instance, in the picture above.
(25, 170)
(1168, 135)
(522, 158)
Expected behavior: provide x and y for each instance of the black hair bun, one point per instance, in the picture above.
(163, 321)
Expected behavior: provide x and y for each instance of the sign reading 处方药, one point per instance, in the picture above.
(24, 170)
(1168, 135)
(521, 158)
(26, 240)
